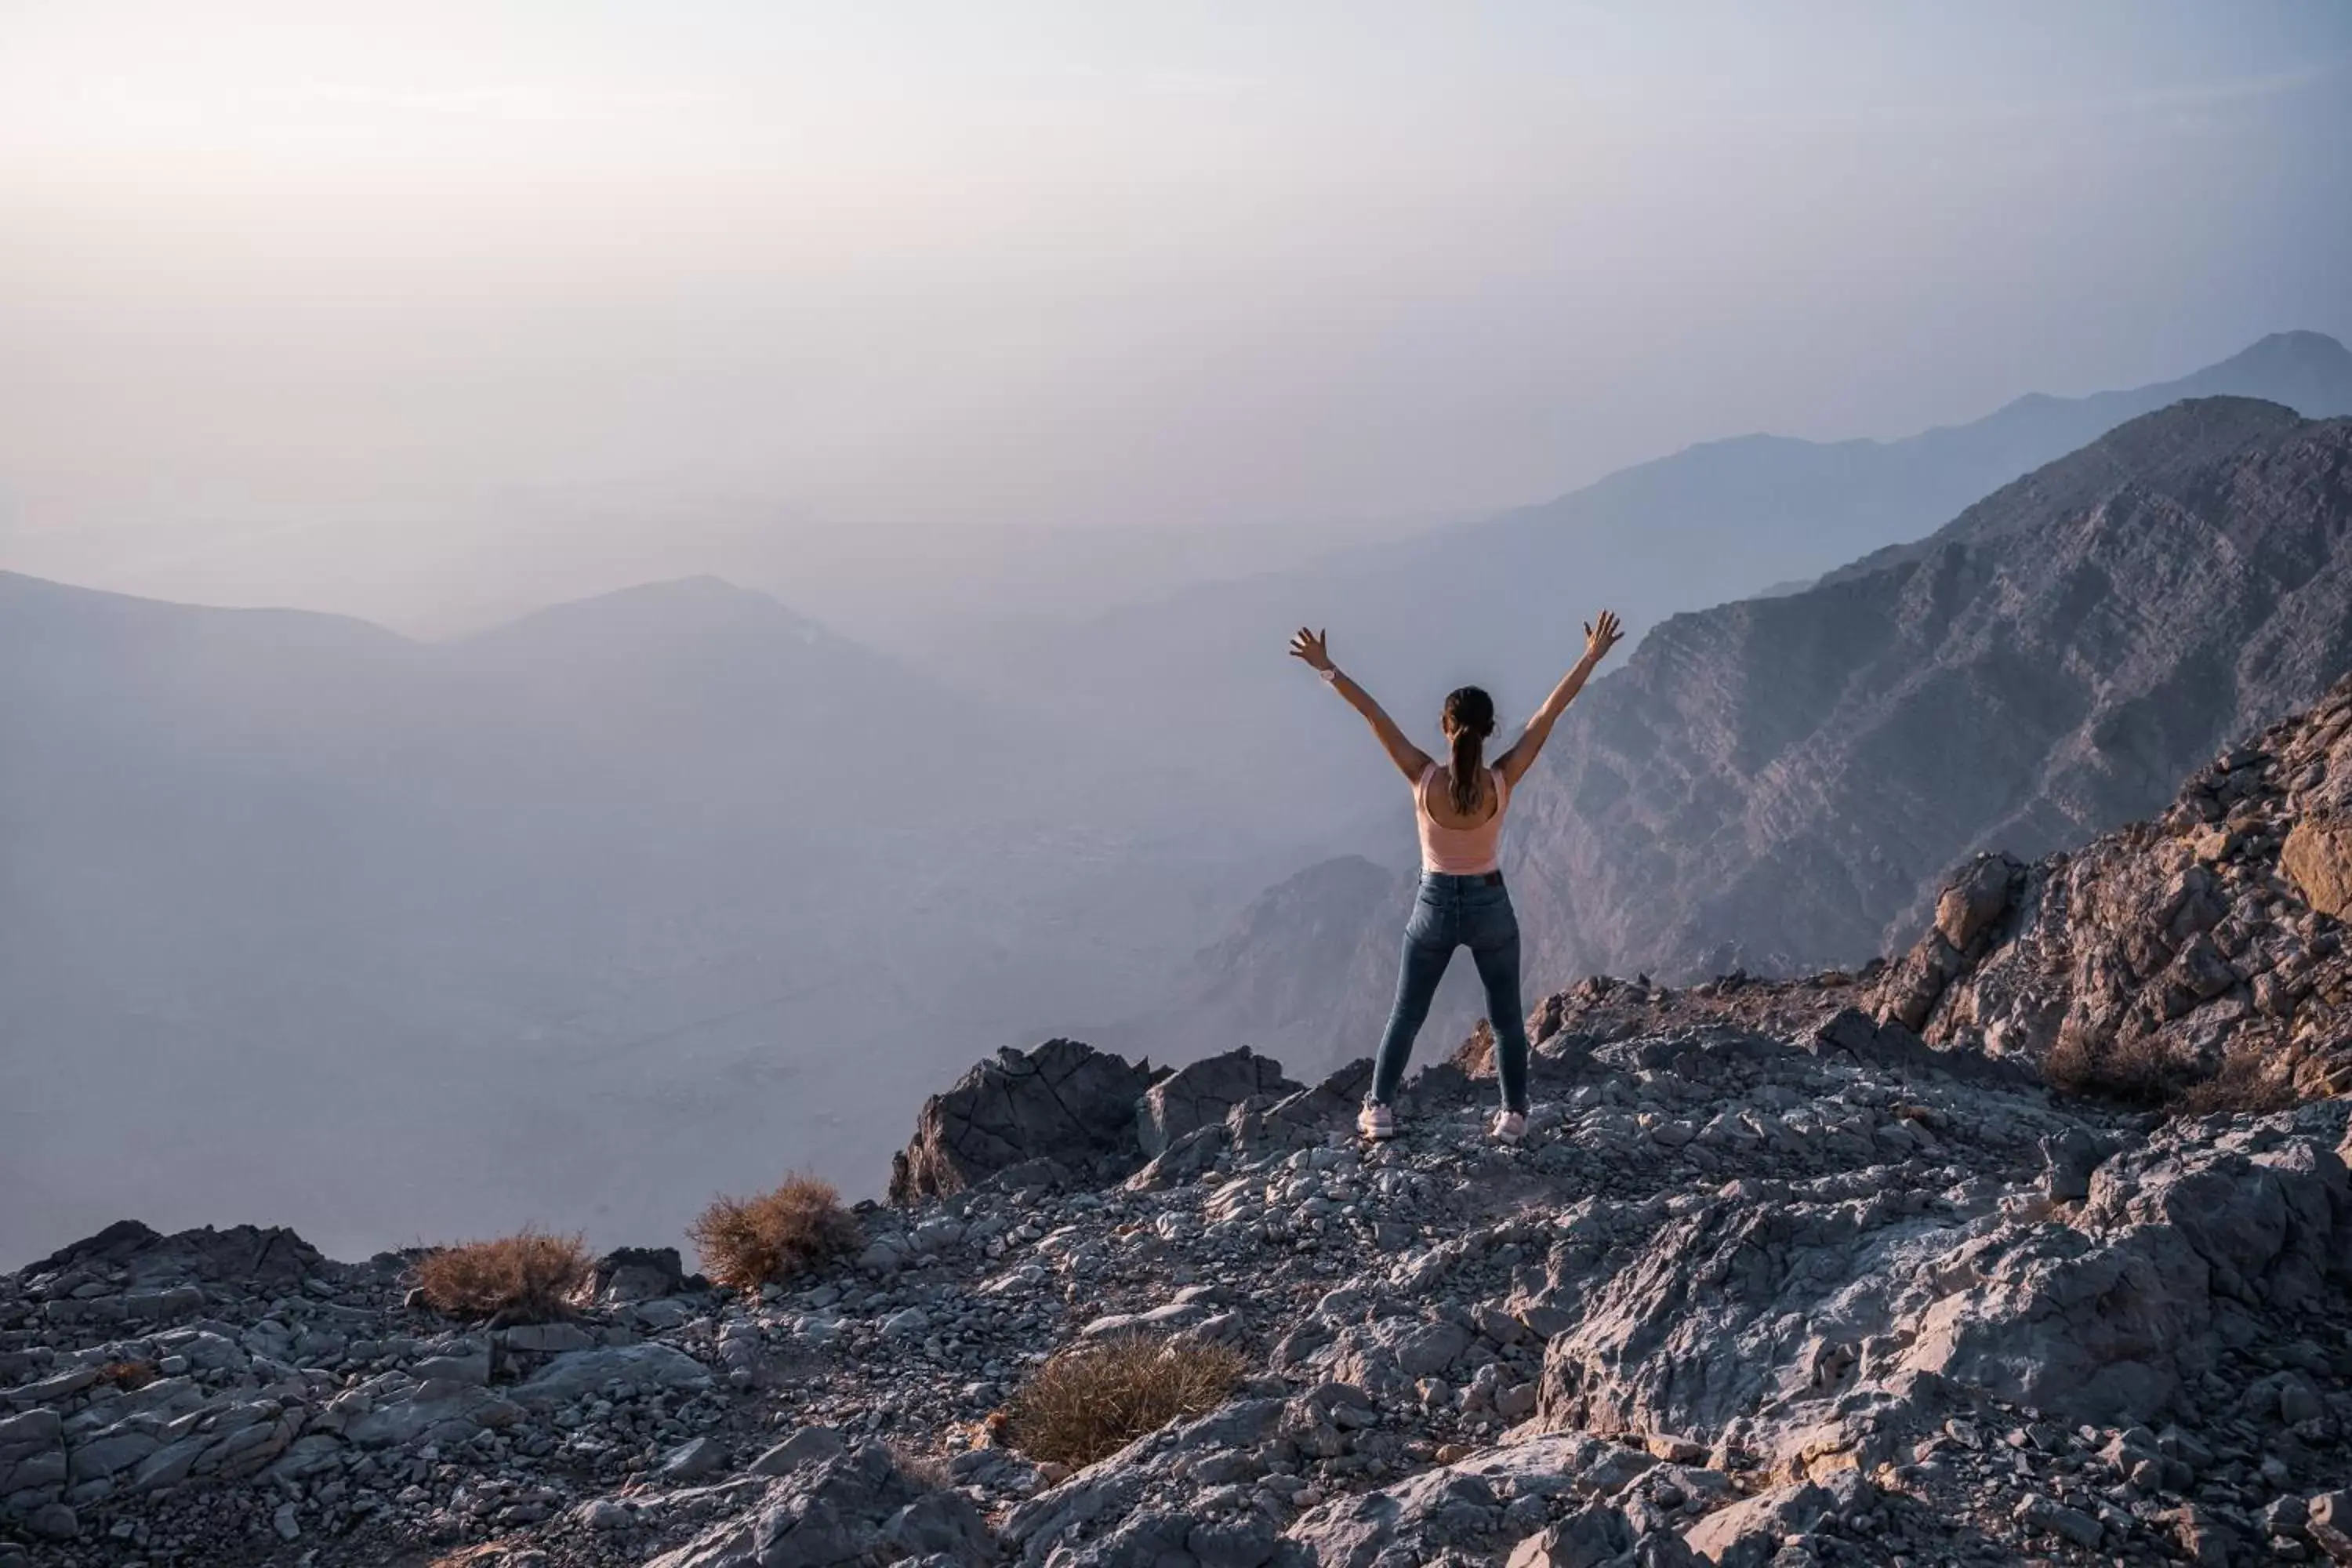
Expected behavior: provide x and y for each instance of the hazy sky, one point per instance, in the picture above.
(363, 305)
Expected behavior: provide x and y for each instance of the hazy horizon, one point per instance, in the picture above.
(1062, 357)
(434, 313)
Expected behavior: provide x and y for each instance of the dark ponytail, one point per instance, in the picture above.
(1471, 714)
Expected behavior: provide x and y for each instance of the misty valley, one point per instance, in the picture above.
(580, 919)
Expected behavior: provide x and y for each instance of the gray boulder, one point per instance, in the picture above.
(851, 1506)
(1748, 1533)
(862, 1506)
(1063, 1100)
(266, 1260)
(810, 1444)
(1460, 1508)
(631, 1274)
(637, 1368)
(1203, 1094)
(690, 1461)
(437, 1409)
(1600, 1536)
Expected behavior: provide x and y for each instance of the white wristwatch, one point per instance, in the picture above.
(1330, 676)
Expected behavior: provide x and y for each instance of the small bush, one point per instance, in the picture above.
(748, 1242)
(2138, 1071)
(2142, 1072)
(928, 1471)
(1093, 1400)
(128, 1375)
(528, 1276)
(2240, 1089)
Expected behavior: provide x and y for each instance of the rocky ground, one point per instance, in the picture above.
(1799, 1301)
(1772, 1280)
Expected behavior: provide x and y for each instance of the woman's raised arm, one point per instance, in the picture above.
(1410, 759)
(1598, 639)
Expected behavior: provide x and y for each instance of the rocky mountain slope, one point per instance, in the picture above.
(1774, 1280)
(1780, 784)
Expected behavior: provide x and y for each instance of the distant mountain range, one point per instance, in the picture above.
(1498, 601)
(1781, 783)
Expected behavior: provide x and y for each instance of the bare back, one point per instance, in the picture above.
(1454, 843)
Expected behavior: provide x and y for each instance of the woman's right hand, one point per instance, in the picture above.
(1308, 646)
(1602, 635)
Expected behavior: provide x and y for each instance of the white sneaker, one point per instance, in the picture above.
(1376, 1122)
(1510, 1126)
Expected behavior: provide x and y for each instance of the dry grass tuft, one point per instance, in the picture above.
(1093, 1400)
(748, 1242)
(529, 1277)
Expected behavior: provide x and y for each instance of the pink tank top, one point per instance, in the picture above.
(1459, 851)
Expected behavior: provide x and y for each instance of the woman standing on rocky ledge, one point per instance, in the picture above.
(1463, 902)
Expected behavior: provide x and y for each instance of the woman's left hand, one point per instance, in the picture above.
(1602, 635)
(1309, 646)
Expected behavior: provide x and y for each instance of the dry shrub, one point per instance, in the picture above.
(2142, 1072)
(1092, 1400)
(529, 1277)
(128, 1375)
(928, 1471)
(748, 1242)
(2240, 1089)
(2138, 1071)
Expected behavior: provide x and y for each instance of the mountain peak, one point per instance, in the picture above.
(672, 608)
(2294, 348)
(700, 592)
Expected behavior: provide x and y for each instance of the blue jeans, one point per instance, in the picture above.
(1450, 912)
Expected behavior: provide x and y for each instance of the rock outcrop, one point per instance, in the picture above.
(2169, 952)
(1062, 1100)
(1203, 1093)
(2317, 858)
